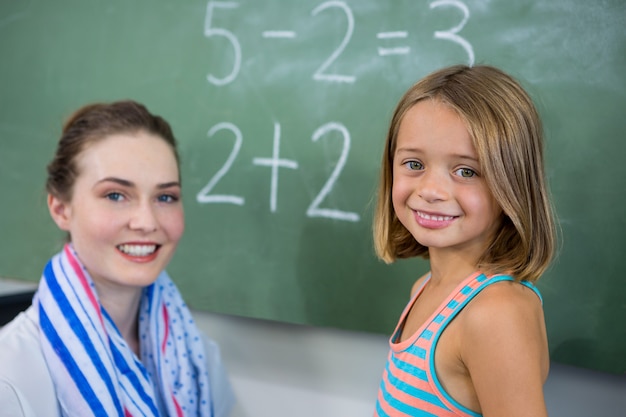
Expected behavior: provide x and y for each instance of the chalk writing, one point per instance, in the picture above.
(393, 42)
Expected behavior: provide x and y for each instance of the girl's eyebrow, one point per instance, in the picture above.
(471, 158)
(468, 157)
(407, 150)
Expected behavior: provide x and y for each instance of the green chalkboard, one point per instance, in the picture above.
(281, 110)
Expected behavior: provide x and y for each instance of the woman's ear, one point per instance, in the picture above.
(60, 212)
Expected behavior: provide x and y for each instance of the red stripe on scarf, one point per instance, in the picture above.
(167, 329)
(179, 411)
(83, 280)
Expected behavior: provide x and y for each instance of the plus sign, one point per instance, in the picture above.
(275, 162)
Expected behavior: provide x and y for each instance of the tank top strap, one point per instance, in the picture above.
(469, 289)
(466, 293)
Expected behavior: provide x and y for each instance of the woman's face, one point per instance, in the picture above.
(125, 217)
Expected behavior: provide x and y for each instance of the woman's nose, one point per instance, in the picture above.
(143, 218)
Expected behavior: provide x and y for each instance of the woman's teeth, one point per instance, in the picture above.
(137, 250)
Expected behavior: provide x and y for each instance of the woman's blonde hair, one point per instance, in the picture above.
(507, 134)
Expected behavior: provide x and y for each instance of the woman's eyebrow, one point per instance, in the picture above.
(116, 180)
(169, 184)
(127, 183)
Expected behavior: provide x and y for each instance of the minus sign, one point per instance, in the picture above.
(285, 34)
(394, 51)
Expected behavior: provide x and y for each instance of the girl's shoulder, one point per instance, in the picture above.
(506, 316)
(505, 348)
(507, 295)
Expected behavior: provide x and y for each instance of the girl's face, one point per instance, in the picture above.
(438, 192)
(125, 217)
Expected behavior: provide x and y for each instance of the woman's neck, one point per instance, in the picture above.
(122, 305)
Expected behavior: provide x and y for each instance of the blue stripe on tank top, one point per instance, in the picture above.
(439, 318)
(466, 290)
(403, 407)
(408, 368)
(417, 351)
(416, 392)
(81, 333)
(379, 410)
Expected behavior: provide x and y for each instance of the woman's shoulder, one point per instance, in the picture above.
(25, 383)
(19, 337)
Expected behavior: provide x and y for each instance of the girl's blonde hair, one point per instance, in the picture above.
(507, 134)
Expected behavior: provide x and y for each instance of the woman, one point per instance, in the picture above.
(108, 332)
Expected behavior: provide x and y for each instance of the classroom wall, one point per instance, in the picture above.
(280, 160)
(285, 370)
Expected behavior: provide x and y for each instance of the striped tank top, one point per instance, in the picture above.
(409, 385)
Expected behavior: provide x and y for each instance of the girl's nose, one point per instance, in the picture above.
(143, 218)
(432, 186)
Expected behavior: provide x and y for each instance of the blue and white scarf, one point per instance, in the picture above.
(93, 369)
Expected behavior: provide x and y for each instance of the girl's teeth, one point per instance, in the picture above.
(137, 250)
(438, 218)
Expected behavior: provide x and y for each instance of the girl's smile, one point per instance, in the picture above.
(433, 220)
(438, 192)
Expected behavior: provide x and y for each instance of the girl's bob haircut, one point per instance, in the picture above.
(507, 134)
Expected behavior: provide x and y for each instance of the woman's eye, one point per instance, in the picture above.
(167, 198)
(414, 165)
(466, 172)
(115, 196)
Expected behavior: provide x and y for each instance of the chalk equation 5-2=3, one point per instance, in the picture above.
(322, 73)
(275, 162)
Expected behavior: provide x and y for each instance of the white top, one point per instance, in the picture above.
(27, 390)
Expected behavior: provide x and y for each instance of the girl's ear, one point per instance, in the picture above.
(60, 212)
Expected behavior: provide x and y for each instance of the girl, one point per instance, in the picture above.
(108, 333)
(462, 184)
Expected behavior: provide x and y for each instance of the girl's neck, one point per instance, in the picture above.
(450, 267)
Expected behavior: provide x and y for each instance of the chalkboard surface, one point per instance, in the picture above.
(281, 110)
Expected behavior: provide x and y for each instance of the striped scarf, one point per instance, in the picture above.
(95, 372)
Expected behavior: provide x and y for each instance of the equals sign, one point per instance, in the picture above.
(401, 50)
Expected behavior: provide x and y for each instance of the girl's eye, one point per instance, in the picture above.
(414, 165)
(114, 196)
(167, 198)
(466, 172)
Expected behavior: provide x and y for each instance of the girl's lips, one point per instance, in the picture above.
(433, 220)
